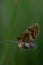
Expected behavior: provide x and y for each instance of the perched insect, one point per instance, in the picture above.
(28, 37)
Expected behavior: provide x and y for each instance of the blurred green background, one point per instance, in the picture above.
(15, 17)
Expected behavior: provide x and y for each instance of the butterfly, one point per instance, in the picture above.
(27, 38)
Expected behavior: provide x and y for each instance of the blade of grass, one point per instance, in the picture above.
(12, 21)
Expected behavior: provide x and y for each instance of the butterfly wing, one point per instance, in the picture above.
(34, 30)
(26, 39)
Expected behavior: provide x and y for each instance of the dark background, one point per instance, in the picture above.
(15, 17)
